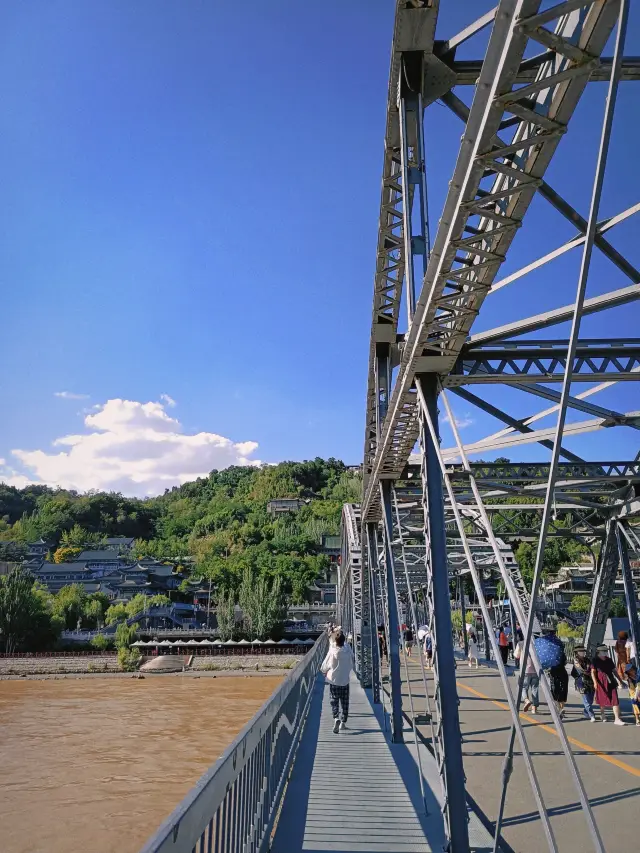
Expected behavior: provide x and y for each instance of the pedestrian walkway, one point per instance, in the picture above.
(354, 792)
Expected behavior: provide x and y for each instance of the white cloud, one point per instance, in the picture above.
(69, 395)
(11, 477)
(131, 447)
(461, 422)
(168, 400)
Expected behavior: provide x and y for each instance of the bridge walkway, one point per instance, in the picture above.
(355, 792)
(607, 756)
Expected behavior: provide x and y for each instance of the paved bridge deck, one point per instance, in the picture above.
(355, 792)
(607, 756)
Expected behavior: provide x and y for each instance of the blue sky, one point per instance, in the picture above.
(190, 203)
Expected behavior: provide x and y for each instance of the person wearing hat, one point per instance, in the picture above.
(605, 683)
(631, 673)
(581, 674)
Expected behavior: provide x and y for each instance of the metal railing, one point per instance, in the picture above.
(234, 805)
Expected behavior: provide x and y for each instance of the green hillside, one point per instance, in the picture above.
(214, 527)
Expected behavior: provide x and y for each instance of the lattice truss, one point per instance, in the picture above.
(469, 302)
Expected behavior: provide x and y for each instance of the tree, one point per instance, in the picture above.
(26, 621)
(558, 552)
(138, 604)
(13, 552)
(565, 630)
(103, 598)
(617, 609)
(226, 615)
(78, 537)
(129, 659)
(580, 604)
(92, 613)
(261, 603)
(159, 601)
(65, 554)
(125, 635)
(100, 642)
(115, 613)
(69, 605)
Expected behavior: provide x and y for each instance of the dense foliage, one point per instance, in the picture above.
(216, 527)
(27, 620)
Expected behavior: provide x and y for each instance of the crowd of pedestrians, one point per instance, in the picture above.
(596, 680)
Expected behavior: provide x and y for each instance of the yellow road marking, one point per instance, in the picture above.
(585, 746)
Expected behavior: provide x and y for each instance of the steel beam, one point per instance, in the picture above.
(467, 71)
(442, 646)
(555, 199)
(372, 571)
(522, 362)
(507, 419)
(393, 632)
(558, 315)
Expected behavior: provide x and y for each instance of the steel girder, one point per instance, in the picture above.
(403, 172)
(513, 362)
(467, 71)
(478, 225)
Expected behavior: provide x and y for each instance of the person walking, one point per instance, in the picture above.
(605, 685)
(530, 682)
(623, 655)
(503, 643)
(583, 681)
(473, 649)
(428, 651)
(337, 667)
(382, 642)
(559, 683)
(407, 636)
(634, 690)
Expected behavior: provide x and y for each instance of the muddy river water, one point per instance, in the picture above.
(94, 765)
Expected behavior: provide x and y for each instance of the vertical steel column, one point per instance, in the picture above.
(393, 645)
(363, 631)
(443, 647)
(372, 566)
(629, 588)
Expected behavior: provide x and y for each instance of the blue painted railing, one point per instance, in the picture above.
(234, 805)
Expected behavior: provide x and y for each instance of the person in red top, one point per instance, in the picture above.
(503, 642)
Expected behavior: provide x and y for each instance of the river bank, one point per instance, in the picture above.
(97, 666)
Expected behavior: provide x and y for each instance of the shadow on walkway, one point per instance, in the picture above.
(354, 792)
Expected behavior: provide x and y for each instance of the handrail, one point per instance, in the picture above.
(234, 805)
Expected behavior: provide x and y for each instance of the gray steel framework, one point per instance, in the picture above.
(418, 536)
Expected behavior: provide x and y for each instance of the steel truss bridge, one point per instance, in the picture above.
(431, 516)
